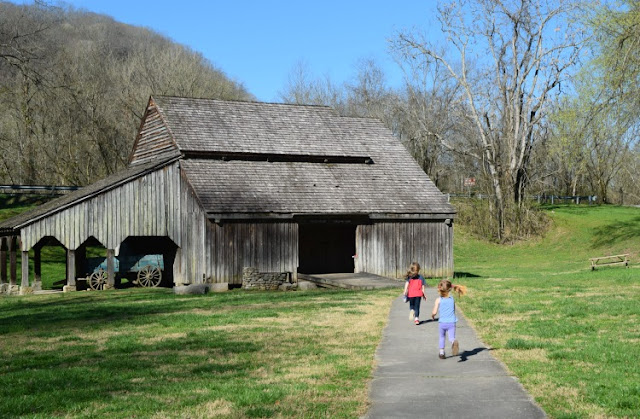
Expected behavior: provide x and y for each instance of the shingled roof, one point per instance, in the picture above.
(250, 159)
(256, 158)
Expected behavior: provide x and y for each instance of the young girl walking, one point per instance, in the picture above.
(445, 308)
(414, 291)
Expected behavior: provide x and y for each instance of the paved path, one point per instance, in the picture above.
(410, 380)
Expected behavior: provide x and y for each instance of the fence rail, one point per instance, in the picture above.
(552, 199)
(36, 189)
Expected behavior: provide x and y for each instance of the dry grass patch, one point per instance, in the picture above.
(219, 408)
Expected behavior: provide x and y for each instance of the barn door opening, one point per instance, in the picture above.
(147, 260)
(326, 248)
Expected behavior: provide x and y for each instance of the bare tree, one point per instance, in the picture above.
(73, 86)
(508, 57)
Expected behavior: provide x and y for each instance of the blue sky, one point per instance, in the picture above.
(258, 43)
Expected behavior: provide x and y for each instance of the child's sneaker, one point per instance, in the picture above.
(441, 355)
(412, 315)
(454, 348)
(416, 321)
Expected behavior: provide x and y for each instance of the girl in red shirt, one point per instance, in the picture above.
(414, 290)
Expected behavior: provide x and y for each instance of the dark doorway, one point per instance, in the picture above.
(135, 247)
(326, 248)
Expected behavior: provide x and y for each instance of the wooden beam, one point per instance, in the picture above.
(71, 271)
(24, 281)
(111, 280)
(37, 265)
(270, 157)
(3, 260)
(13, 261)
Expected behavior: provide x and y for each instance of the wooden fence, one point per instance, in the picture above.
(36, 189)
(542, 199)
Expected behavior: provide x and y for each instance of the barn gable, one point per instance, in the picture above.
(154, 140)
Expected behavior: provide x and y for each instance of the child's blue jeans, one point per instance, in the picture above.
(414, 304)
(447, 328)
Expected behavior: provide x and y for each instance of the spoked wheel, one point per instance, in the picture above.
(97, 279)
(149, 276)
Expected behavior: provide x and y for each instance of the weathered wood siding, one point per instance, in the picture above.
(388, 248)
(162, 204)
(141, 207)
(268, 247)
(154, 138)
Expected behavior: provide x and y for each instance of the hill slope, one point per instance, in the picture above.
(74, 85)
(569, 334)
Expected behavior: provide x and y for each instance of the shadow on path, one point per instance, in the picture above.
(466, 354)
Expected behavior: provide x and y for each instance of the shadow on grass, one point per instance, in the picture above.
(120, 353)
(465, 275)
(466, 354)
(128, 375)
(616, 232)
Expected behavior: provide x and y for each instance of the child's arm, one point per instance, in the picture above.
(436, 306)
(406, 286)
(424, 293)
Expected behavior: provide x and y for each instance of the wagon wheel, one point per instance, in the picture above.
(97, 279)
(149, 276)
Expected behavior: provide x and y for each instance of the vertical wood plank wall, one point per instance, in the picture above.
(268, 247)
(140, 207)
(388, 248)
(162, 204)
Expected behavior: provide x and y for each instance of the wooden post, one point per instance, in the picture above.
(13, 262)
(178, 277)
(3, 260)
(110, 269)
(71, 271)
(24, 281)
(37, 265)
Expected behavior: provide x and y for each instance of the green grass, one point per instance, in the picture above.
(150, 353)
(571, 335)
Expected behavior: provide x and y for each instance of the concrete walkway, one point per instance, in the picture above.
(410, 380)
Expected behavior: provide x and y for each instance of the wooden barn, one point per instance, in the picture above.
(217, 186)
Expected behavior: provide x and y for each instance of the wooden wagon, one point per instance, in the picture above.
(147, 270)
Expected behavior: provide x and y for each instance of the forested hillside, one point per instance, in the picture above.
(73, 86)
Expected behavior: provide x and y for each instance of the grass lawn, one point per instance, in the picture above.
(150, 353)
(571, 335)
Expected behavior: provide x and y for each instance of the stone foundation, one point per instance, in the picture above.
(252, 279)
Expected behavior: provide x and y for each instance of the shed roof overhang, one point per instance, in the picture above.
(12, 226)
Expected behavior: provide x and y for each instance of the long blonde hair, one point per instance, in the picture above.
(445, 286)
(414, 270)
